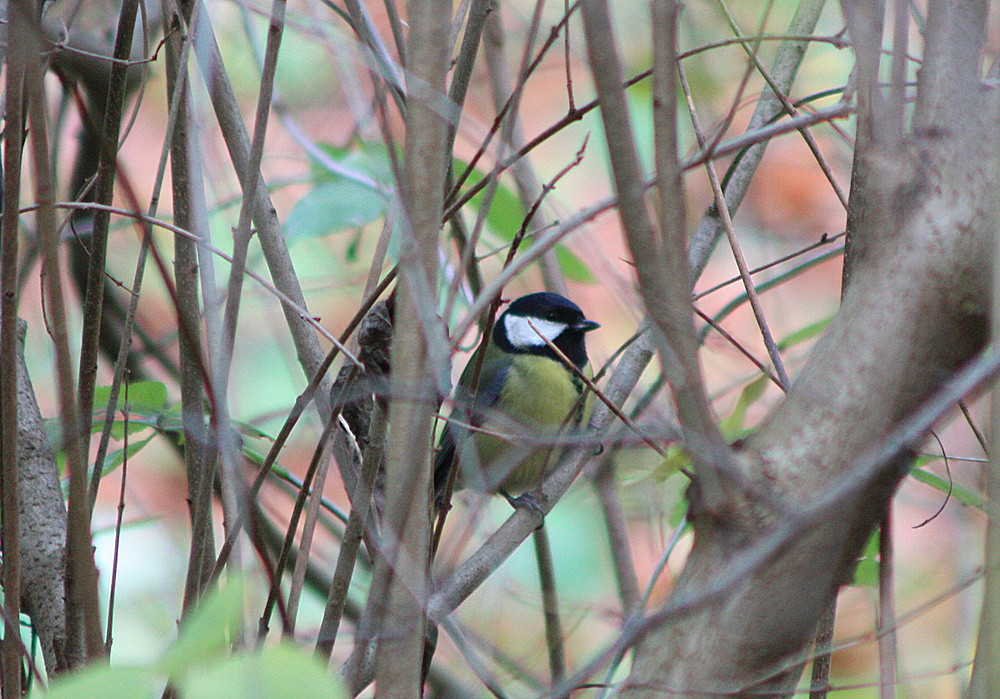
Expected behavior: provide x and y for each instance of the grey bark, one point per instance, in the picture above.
(914, 313)
(43, 521)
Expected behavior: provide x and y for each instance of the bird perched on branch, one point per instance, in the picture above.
(513, 406)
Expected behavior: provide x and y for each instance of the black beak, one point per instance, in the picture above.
(585, 325)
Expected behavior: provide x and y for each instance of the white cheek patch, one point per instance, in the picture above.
(521, 334)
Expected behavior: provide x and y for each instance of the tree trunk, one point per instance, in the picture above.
(915, 312)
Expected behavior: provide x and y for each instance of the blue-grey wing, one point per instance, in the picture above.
(470, 409)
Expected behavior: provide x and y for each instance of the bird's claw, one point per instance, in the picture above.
(526, 501)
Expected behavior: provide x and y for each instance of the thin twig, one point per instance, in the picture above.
(618, 536)
(524, 74)
(789, 108)
(293, 416)
(739, 346)
(647, 593)
(525, 177)
(824, 240)
(978, 433)
(265, 218)
(130, 313)
(772, 283)
(506, 120)
(93, 302)
(83, 624)
(823, 652)
(250, 179)
(113, 586)
(885, 625)
(361, 503)
(320, 454)
(550, 605)
(720, 200)
(786, 65)
(286, 301)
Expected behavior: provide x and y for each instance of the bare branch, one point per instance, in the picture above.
(783, 72)
(663, 277)
(406, 535)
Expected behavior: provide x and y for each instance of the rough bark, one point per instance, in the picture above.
(402, 567)
(914, 313)
(42, 515)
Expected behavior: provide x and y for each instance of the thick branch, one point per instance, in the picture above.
(406, 535)
(663, 277)
(43, 522)
(881, 357)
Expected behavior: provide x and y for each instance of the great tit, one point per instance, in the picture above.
(504, 433)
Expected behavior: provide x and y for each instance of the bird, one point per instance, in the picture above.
(503, 432)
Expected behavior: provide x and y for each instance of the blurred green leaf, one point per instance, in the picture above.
(963, 495)
(115, 458)
(677, 458)
(866, 572)
(118, 427)
(575, 269)
(248, 430)
(272, 673)
(146, 402)
(143, 397)
(678, 512)
(331, 207)
(369, 160)
(106, 682)
(732, 425)
(803, 334)
(208, 631)
(505, 215)
(353, 246)
(343, 200)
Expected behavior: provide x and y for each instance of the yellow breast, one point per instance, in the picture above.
(518, 439)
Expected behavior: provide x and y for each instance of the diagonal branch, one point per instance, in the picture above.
(663, 277)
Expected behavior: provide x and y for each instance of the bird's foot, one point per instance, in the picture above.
(526, 501)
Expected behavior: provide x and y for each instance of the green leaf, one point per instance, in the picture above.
(146, 401)
(343, 200)
(803, 334)
(143, 397)
(248, 430)
(963, 495)
(732, 425)
(208, 630)
(256, 457)
(333, 206)
(352, 248)
(369, 160)
(866, 572)
(106, 682)
(273, 673)
(115, 458)
(871, 546)
(505, 215)
(573, 267)
(677, 458)
(118, 427)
